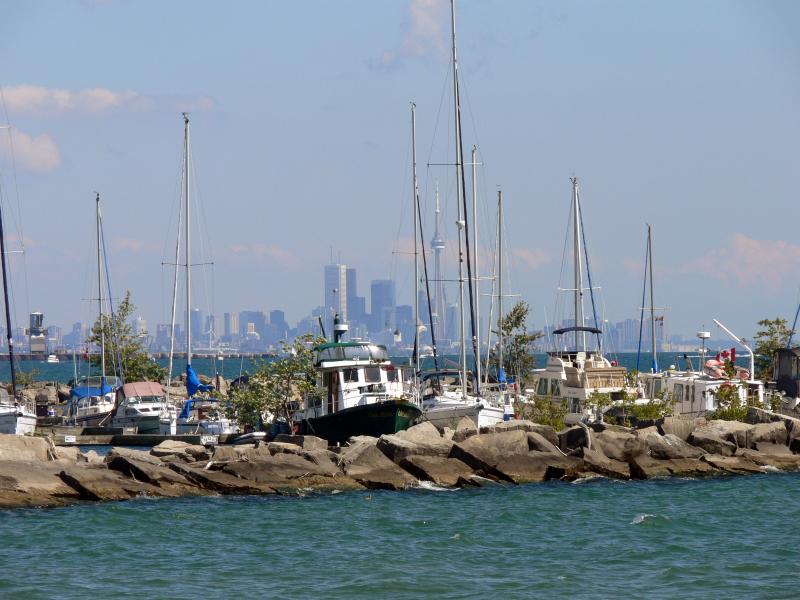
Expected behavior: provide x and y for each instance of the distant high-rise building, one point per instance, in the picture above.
(231, 324)
(37, 334)
(438, 299)
(140, 326)
(278, 324)
(356, 305)
(382, 301)
(335, 293)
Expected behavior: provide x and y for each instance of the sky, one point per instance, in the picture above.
(680, 114)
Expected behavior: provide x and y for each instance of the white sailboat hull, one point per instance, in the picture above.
(449, 414)
(16, 422)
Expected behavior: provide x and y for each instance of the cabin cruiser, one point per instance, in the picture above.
(16, 418)
(92, 401)
(786, 371)
(204, 416)
(143, 406)
(571, 377)
(364, 393)
(447, 397)
(52, 359)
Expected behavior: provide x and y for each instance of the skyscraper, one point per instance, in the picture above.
(382, 304)
(438, 301)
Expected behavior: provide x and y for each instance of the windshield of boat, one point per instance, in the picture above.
(145, 399)
(438, 383)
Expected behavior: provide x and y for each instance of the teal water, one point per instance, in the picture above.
(232, 367)
(728, 537)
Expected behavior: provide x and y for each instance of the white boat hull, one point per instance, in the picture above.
(17, 423)
(448, 415)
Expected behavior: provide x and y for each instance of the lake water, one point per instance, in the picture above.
(727, 537)
(232, 367)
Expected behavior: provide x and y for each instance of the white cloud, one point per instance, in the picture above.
(425, 32)
(749, 262)
(39, 153)
(39, 100)
(531, 259)
(266, 252)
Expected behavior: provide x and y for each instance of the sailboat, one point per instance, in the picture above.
(92, 398)
(573, 373)
(15, 417)
(199, 414)
(447, 395)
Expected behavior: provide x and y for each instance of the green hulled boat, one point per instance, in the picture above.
(364, 393)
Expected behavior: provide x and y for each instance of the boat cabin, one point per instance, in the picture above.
(352, 374)
(694, 393)
(140, 398)
(444, 381)
(786, 368)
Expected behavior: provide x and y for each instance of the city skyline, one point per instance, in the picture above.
(301, 143)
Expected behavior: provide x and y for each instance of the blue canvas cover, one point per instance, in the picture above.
(87, 391)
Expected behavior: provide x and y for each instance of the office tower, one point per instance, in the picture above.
(382, 300)
(438, 299)
(231, 323)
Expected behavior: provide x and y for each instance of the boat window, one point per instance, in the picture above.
(677, 393)
(555, 387)
(656, 387)
(393, 375)
(541, 389)
(350, 375)
(372, 374)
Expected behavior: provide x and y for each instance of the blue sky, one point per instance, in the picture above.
(680, 114)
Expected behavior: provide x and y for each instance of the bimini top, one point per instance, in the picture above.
(142, 388)
(564, 330)
(351, 351)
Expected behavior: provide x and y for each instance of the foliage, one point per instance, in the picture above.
(276, 386)
(655, 408)
(120, 340)
(543, 410)
(601, 402)
(518, 359)
(774, 334)
(25, 378)
(729, 404)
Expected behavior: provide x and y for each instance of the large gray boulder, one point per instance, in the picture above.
(679, 426)
(398, 447)
(740, 465)
(34, 483)
(307, 442)
(534, 467)
(218, 481)
(712, 443)
(464, 429)
(618, 445)
(23, 448)
(96, 482)
(372, 469)
(734, 432)
(536, 441)
(597, 462)
(669, 446)
(575, 437)
(158, 474)
(774, 432)
(446, 472)
(647, 467)
(484, 452)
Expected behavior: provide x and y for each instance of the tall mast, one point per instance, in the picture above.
(174, 299)
(187, 162)
(9, 335)
(579, 317)
(462, 199)
(500, 340)
(477, 329)
(100, 297)
(652, 301)
(416, 235)
(460, 224)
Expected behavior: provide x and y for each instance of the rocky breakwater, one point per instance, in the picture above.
(33, 472)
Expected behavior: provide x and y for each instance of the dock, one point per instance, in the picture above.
(110, 436)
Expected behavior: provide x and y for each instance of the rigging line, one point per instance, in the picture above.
(589, 279)
(118, 353)
(557, 309)
(641, 317)
(176, 193)
(427, 283)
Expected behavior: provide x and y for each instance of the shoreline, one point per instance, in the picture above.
(36, 473)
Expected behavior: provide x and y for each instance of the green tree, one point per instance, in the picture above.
(121, 341)
(774, 334)
(277, 386)
(518, 359)
(543, 410)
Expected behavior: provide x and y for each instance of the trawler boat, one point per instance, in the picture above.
(445, 401)
(143, 406)
(92, 401)
(52, 359)
(364, 394)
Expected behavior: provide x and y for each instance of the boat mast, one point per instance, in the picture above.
(100, 298)
(475, 259)
(416, 235)
(462, 202)
(460, 224)
(501, 377)
(652, 305)
(9, 335)
(187, 160)
(174, 300)
(580, 336)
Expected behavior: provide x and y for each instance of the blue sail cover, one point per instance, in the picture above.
(193, 384)
(186, 410)
(87, 391)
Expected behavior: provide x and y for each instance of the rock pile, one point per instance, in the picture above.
(35, 473)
